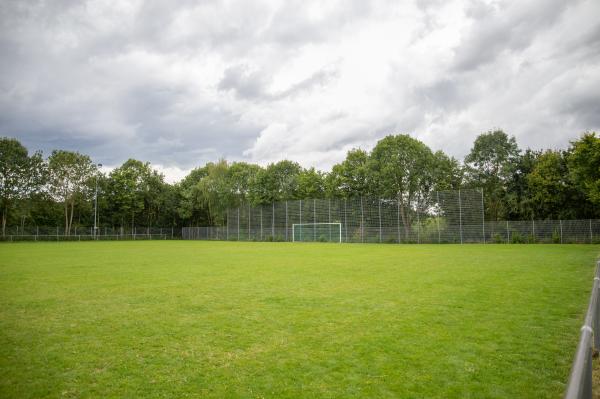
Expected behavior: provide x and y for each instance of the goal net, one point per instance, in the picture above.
(324, 232)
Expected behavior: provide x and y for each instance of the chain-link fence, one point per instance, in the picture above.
(439, 217)
(84, 233)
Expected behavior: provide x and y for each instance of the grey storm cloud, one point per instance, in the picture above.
(183, 83)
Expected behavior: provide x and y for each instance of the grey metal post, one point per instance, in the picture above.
(345, 220)
(249, 222)
(273, 221)
(37, 232)
(286, 221)
(172, 231)
(238, 222)
(227, 225)
(362, 220)
(379, 203)
(460, 216)
(398, 220)
(329, 217)
(418, 225)
(483, 215)
(561, 234)
(533, 228)
(507, 233)
(591, 242)
(314, 220)
(261, 223)
(300, 221)
(437, 219)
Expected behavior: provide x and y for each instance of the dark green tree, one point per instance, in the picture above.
(489, 165)
(70, 181)
(584, 167)
(20, 175)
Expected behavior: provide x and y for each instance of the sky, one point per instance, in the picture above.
(182, 83)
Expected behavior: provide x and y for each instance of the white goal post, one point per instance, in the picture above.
(297, 230)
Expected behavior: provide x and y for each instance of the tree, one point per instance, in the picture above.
(584, 166)
(447, 173)
(20, 175)
(404, 168)
(549, 186)
(277, 182)
(190, 207)
(70, 180)
(132, 189)
(311, 184)
(351, 177)
(517, 200)
(240, 177)
(489, 166)
(215, 192)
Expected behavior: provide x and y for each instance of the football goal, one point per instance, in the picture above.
(325, 232)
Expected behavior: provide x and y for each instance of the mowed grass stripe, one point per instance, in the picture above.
(223, 319)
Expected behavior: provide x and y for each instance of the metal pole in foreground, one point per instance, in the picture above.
(580, 379)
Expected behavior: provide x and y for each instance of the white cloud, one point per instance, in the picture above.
(180, 84)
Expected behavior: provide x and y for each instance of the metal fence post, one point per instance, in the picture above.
(345, 219)
(419, 225)
(561, 233)
(362, 224)
(238, 223)
(460, 216)
(314, 220)
(398, 220)
(329, 217)
(437, 219)
(249, 221)
(483, 215)
(592, 240)
(286, 221)
(273, 221)
(261, 222)
(379, 203)
(293, 233)
(507, 233)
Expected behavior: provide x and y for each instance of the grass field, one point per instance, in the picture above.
(216, 319)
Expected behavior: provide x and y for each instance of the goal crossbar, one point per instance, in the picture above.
(294, 225)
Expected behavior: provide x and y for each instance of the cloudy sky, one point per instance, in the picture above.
(182, 83)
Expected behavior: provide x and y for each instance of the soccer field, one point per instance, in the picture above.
(225, 319)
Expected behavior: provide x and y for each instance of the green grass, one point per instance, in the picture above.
(216, 319)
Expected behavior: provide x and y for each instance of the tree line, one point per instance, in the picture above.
(62, 189)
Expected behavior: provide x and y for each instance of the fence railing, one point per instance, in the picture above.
(429, 231)
(580, 380)
(84, 233)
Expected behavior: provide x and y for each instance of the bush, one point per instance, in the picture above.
(517, 238)
(556, 236)
(498, 239)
